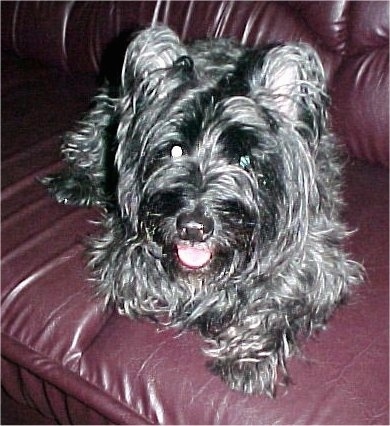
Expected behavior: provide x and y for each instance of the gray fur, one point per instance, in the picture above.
(259, 178)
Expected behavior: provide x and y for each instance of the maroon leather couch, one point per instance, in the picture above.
(66, 360)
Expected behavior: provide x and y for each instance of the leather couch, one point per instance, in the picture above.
(67, 360)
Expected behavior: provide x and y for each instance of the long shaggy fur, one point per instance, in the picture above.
(226, 150)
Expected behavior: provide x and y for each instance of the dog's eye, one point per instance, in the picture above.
(176, 151)
(245, 161)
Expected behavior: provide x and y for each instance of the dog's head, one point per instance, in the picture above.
(215, 159)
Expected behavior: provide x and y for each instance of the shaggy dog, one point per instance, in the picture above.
(220, 186)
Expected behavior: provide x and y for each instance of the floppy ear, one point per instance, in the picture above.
(154, 49)
(294, 77)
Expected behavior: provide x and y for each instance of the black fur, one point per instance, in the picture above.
(220, 183)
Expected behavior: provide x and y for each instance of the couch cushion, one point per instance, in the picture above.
(76, 362)
(360, 89)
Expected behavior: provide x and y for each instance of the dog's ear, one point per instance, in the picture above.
(152, 50)
(294, 77)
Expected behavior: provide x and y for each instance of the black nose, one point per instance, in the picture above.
(194, 226)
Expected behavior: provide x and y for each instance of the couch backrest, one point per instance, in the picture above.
(351, 37)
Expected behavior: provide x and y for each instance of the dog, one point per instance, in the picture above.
(220, 186)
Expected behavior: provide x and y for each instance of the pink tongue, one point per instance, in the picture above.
(193, 257)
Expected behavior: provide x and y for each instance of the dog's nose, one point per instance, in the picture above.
(194, 226)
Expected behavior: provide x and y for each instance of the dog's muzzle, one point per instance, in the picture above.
(194, 228)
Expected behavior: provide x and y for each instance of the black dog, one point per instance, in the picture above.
(220, 184)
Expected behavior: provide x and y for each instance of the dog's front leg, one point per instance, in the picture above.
(89, 177)
(249, 358)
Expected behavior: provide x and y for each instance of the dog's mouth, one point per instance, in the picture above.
(194, 256)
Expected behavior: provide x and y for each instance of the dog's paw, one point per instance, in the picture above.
(70, 189)
(249, 376)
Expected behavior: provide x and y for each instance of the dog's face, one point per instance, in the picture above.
(207, 189)
(208, 192)
(210, 173)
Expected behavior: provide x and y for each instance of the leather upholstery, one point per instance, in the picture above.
(64, 358)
